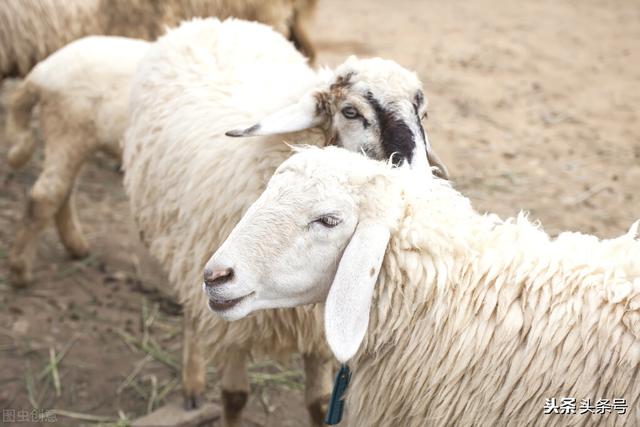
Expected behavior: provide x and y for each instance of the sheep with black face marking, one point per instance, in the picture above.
(446, 317)
(189, 184)
(30, 30)
(83, 94)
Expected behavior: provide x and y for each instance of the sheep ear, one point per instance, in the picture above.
(302, 115)
(346, 311)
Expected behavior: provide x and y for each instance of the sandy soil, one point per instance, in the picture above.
(533, 105)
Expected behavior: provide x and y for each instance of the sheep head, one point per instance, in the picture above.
(373, 106)
(318, 233)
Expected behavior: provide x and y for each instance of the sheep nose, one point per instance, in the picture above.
(218, 276)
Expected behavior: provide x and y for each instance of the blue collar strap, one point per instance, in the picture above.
(336, 404)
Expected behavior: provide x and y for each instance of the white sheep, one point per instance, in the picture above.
(189, 184)
(83, 93)
(30, 30)
(446, 317)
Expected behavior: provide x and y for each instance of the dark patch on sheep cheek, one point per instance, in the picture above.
(372, 271)
(396, 136)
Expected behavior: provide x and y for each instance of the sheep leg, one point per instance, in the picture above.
(69, 229)
(47, 195)
(235, 387)
(193, 364)
(77, 149)
(318, 373)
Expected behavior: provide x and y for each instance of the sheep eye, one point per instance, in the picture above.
(350, 112)
(327, 221)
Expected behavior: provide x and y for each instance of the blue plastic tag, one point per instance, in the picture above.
(336, 404)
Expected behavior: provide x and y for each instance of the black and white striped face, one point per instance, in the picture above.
(384, 122)
(373, 106)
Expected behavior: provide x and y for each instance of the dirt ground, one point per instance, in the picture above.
(533, 106)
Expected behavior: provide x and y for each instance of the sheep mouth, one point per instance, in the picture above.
(221, 304)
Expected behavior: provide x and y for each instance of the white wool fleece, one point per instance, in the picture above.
(189, 184)
(470, 321)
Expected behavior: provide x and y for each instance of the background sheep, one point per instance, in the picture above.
(70, 141)
(32, 29)
(189, 184)
(445, 316)
(83, 92)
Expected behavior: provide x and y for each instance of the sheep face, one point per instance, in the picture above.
(376, 106)
(285, 250)
(317, 233)
(373, 106)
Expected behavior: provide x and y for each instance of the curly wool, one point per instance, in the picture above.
(477, 321)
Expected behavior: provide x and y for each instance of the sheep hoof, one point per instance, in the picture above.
(19, 275)
(318, 410)
(77, 249)
(232, 403)
(79, 252)
(192, 401)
